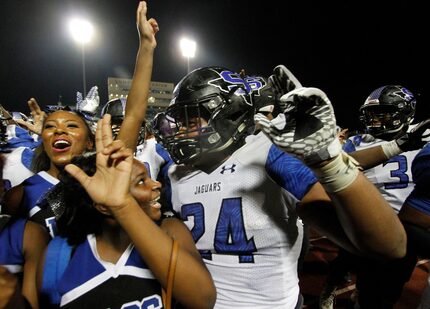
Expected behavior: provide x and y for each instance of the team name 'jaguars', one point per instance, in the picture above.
(211, 187)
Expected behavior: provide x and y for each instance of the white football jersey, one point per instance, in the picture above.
(393, 178)
(243, 220)
(153, 155)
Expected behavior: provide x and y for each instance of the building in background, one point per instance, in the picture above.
(159, 97)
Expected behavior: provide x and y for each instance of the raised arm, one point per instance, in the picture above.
(137, 100)
(307, 129)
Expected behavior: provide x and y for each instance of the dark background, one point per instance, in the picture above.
(347, 48)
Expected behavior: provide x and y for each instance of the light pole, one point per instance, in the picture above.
(188, 48)
(82, 31)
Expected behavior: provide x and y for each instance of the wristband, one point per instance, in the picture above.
(338, 174)
(391, 149)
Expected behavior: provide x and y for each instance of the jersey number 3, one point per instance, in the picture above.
(400, 172)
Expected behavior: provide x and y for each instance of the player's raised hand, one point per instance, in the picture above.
(307, 126)
(283, 80)
(416, 138)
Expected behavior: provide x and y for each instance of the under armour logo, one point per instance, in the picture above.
(228, 168)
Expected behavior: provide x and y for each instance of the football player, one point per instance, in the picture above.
(242, 200)
(386, 150)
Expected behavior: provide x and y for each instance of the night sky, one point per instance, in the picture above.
(347, 49)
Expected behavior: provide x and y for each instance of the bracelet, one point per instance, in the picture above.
(391, 149)
(338, 173)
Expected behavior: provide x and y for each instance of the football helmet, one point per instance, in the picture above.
(211, 111)
(387, 111)
(116, 108)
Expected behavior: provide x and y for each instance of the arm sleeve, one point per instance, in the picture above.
(289, 172)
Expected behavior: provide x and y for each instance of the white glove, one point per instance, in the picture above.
(306, 128)
(90, 103)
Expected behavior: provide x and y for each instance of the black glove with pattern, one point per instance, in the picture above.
(415, 138)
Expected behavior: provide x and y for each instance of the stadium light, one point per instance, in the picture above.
(188, 48)
(82, 32)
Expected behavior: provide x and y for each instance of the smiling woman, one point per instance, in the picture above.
(110, 221)
(65, 134)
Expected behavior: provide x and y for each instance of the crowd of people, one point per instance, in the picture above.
(207, 205)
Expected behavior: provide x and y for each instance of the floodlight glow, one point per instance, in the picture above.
(81, 30)
(188, 48)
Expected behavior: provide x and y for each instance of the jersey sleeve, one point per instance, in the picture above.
(289, 172)
(167, 160)
(421, 167)
(420, 196)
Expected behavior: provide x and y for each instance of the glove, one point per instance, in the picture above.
(90, 103)
(283, 80)
(414, 139)
(306, 128)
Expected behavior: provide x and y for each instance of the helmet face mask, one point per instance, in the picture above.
(381, 120)
(190, 132)
(388, 111)
(210, 112)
